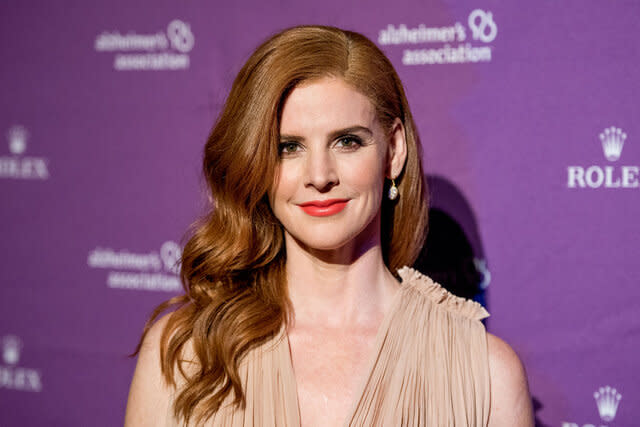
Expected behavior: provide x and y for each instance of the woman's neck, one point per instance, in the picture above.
(339, 289)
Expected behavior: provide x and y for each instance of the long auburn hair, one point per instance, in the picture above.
(233, 264)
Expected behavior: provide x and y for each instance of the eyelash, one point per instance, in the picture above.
(283, 145)
(352, 138)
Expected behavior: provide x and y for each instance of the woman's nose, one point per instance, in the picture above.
(320, 170)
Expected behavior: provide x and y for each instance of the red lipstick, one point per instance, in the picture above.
(324, 207)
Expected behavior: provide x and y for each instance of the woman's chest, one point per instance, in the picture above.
(329, 369)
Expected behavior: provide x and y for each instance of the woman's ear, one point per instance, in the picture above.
(397, 153)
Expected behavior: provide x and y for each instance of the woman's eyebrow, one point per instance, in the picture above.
(332, 135)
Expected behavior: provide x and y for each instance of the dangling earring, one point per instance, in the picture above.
(393, 191)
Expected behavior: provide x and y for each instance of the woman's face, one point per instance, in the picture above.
(334, 157)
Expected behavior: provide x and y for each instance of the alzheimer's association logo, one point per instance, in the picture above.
(147, 271)
(612, 140)
(13, 376)
(151, 51)
(482, 26)
(180, 36)
(452, 44)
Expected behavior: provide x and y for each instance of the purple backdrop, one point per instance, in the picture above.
(527, 111)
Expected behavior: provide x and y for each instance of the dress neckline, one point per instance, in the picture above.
(372, 358)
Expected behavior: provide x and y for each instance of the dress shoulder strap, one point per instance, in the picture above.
(440, 296)
(431, 362)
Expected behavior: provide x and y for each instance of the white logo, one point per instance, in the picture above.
(171, 253)
(595, 176)
(607, 399)
(483, 269)
(154, 51)
(142, 271)
(612, 141)
(11, 346)
(13, 377)
(18, 167)
(482, 26)
(180, 35)
(17, 136)
(454, 49)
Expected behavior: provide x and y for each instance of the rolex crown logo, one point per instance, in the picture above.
(11, 349)
(612, 141)
(17, 137)
(607, 399)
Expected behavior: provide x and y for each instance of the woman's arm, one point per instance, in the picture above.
(149, 395)
(510, 399)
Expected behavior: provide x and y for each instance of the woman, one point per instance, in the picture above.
(293, 313)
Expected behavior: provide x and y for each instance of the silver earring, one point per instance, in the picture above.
(393, 191)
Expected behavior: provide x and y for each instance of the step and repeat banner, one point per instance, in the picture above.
(528, 114)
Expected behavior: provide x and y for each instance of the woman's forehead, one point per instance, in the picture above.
(325, 103)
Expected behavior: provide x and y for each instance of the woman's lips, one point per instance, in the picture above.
(324, 207)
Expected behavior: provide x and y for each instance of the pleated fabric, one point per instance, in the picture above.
(429, 368)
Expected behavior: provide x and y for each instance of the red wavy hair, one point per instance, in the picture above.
(233, 264)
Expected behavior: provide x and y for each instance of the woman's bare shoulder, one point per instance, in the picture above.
(510, 398)
(149, 394)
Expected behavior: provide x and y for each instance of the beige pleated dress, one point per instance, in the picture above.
(429, 368)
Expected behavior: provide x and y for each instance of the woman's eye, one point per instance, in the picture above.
(288, 147)
(349, 141)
